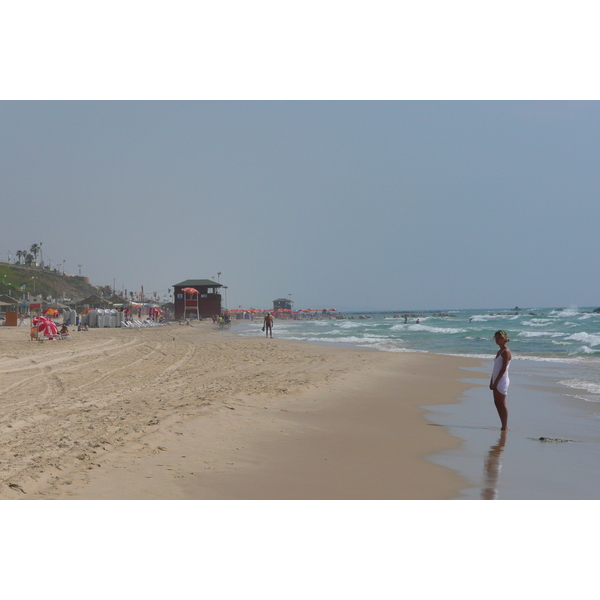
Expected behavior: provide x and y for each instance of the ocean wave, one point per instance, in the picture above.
(578, 384)
(477, 318)
(586, 398)
(388, 348)
(348, 325)
(537, 334)
(589, 339)
(341, 339)
(588, 350)
(567, 312)
(435, 329)
(538, 322)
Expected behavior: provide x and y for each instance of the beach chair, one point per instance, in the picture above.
(34, 334)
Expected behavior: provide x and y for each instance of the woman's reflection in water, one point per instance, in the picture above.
(492, 467)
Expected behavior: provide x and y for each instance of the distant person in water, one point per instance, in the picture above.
(500, 381)
(268, 325)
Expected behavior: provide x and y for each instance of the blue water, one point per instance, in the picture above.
(554, 391)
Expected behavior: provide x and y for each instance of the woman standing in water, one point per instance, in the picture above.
(499, 381)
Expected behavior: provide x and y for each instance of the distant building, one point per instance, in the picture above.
(93, 301)
(284, 303)
(207, 302)
(7, 304)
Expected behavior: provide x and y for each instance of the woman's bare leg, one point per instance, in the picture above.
(500, 402)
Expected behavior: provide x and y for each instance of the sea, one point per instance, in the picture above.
(552, 448)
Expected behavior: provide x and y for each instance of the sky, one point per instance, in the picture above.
(354, 205)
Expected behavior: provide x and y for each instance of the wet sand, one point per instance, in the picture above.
(551, 450)
(193, 413)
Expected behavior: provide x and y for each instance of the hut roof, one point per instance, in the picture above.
(198, 283)
(93, 299)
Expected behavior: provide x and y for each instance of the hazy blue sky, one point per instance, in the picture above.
(346, 204)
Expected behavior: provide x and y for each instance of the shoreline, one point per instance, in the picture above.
(550, 452)
(193, 413)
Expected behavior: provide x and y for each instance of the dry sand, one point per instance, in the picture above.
(194, 413)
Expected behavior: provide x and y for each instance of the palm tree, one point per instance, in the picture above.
(29, 259)
(19, 254)
(34, 250)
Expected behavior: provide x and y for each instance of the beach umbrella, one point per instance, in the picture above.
(45, 326)
(50, 311)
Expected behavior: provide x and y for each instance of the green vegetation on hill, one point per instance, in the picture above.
(18, 280)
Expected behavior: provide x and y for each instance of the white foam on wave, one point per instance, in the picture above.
(578, 384)
(567, 312)
(435, 329)
(586, 398)
(478, 318)
(537, 334)
(588, 350)
(341, 339)
(589, 339)
(538, 322)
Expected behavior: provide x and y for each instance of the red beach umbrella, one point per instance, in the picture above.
(45, 326)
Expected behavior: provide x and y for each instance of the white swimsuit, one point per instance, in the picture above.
(502, 386)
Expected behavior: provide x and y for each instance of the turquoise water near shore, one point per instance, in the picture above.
(554, 392)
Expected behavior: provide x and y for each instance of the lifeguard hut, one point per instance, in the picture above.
(282, 303)
(206, 302)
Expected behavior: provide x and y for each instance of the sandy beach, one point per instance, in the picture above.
(178, 412)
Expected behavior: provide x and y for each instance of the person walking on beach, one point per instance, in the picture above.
(499, 381)
(268, 325)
